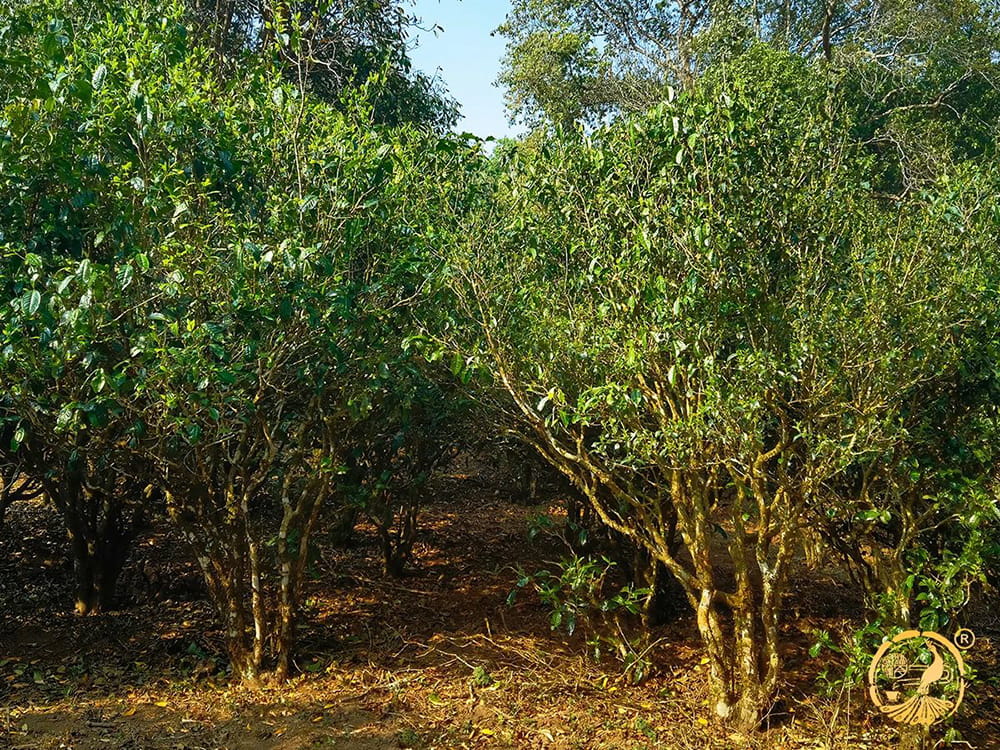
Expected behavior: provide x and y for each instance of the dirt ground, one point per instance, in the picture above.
(437, 659)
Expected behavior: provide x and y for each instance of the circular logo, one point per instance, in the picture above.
(918, 677)
(964, 638)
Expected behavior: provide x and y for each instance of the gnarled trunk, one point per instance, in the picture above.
(738, 622)
(217, 530)
(397, 528)
(101, 525)
(299, 514)
(255, 587)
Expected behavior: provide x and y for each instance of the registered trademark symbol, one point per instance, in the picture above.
(964, 638)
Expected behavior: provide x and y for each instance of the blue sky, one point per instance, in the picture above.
(466, 58)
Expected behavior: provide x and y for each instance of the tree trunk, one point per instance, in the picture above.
(83, 569)
(97, 571)
(101, 535)
(341, 528)
(286, 621)
(720, 658)
(244, 668)
(222, 555)
(397, 531)
(827, 28)
(664, 595)
(292, 563)
(393, 561)
(889, 584)
(741, 686)
(245, 657)
(527, 484)
(665, 592)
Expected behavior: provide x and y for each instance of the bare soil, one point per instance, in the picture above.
(390, 663)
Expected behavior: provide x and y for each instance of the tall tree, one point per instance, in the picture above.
(695, 316)
(68, 256)
(331, 47)
(581, 60)
(206, 287)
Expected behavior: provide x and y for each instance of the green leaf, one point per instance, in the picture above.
(124, 276)
(97, 80)
(34, 301)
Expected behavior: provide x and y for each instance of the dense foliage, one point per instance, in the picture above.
(696, 313)
(922, 75)
(250, 287)
(207, 281)
(329, 48)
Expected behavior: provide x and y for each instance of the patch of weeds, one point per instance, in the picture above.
(316, 665)
(408, 738)
(643, 726)
(578, 592)
(480, 677)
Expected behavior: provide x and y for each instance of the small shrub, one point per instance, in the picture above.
(579, 595)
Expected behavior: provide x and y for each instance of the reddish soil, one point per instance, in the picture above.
(391, 663)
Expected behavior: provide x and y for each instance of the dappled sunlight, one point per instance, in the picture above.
(672, 423)
(429, 660)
